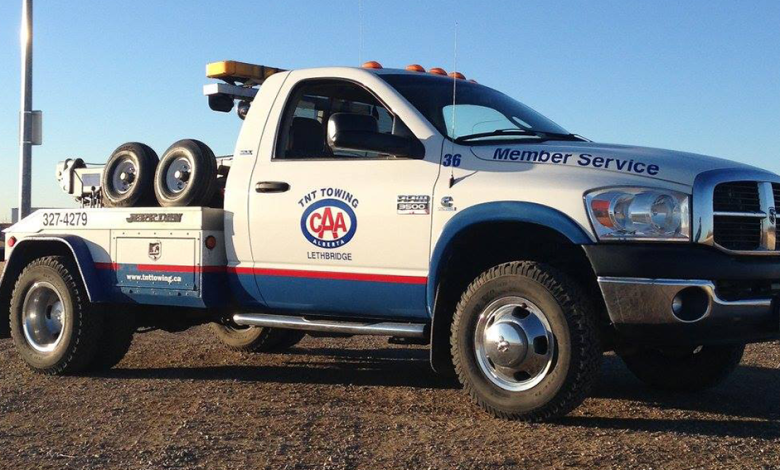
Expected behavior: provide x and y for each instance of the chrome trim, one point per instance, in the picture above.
(649, 301)
(757, 215)
(43, 318)
(401, 330)
(514, 344)
(768, 226)
(704, 214)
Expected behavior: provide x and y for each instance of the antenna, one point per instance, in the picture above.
(454, 81)
(360, 47)
(454, 101)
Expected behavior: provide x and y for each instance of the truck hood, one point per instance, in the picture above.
(653, 163)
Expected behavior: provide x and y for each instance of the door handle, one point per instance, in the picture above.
(271, 187)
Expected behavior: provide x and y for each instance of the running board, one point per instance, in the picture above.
(398, 330)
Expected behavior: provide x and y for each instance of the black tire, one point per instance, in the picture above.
(74, 348)
(200, 180)
(118, 331)
(288, 339)
(686, 370)
(256, 339)
(575, 353)
(140, 191)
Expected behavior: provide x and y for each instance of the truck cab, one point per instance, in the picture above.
(416, 205)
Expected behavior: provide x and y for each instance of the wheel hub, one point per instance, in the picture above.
(123, 176)
(43, 317)
(505, 343)
(182, 175)
(126, 177)
(514, 343)
(178, 174)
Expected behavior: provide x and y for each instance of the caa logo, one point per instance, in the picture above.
(329, 223)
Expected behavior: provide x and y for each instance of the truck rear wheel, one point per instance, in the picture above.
(186, 175)
(128, 178)
(524, 342)
(256, 339)
(684, 370)
(53, 326)
(115, 341)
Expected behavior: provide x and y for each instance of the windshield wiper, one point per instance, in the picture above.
(542, 135)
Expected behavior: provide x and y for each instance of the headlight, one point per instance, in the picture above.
(639, 214)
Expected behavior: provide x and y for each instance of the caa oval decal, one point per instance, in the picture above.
(329, 223)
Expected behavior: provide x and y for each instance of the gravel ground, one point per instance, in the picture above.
(181, 401)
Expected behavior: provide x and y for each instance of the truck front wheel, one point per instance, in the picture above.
(684, 369)
(255, 338)
(54, 328)
(524, 342)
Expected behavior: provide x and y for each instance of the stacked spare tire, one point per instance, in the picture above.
(135, 176)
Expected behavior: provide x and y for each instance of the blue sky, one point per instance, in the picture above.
(700, 76)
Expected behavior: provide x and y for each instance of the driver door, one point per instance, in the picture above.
(334, 230)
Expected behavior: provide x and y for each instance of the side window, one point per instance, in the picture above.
(303, 130)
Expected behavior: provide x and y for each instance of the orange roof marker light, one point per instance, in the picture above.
(457, 75)
(438, 71)
(415, 68)
(471, 80)
(371, 64)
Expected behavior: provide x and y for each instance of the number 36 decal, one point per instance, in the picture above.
(451, 160)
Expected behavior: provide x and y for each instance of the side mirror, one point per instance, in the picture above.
(360, 132)
(220, 102)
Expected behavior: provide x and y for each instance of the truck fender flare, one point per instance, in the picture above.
(77, 248)
(493, 212)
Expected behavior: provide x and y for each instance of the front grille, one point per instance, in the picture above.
(737, 196)
(732, 228)
(738, 233)
(776, 192)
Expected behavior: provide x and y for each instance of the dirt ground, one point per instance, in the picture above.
(181, 401)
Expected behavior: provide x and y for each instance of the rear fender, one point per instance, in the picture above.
(34, 247)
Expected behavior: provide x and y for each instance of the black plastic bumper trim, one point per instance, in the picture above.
(689, 261)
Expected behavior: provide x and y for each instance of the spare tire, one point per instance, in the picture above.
(128, 177)
(186, 175)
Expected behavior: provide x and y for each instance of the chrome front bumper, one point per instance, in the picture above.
(649, 309)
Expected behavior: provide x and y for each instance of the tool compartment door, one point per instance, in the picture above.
(158, 263)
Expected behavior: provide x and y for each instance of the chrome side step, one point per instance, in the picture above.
(398, 330)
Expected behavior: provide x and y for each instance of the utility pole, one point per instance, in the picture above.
(28, 130)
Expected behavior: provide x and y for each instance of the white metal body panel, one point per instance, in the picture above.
(557, 186)
(385, 241)
(100, 229)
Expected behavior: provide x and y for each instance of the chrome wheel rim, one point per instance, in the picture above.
(177, 175)
(123, 176)
(514, 344)
(43, 317)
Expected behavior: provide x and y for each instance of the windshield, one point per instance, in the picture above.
(477, 109)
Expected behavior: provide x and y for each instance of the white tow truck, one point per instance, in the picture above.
(416, 205)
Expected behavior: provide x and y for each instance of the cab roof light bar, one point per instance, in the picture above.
(239, 72)
(241, 80)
